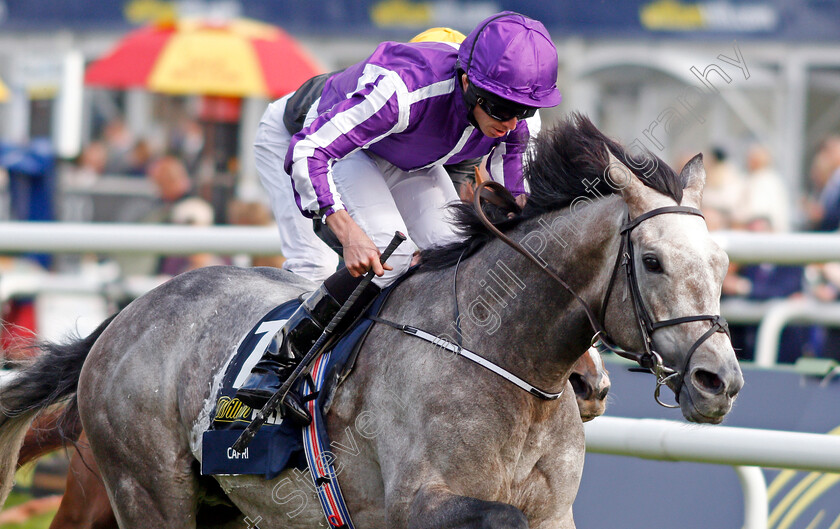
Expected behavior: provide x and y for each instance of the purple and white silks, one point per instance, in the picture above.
(403, 104)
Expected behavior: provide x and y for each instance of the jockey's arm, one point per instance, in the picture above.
(360, 254)
(349, 125)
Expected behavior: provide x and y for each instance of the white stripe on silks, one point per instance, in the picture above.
(458, 146)
(534, 127)
(370, 74)
(405, 99)
(311, 115)
(337, 204)
(340, 124)
(441, 88)
(497, 163)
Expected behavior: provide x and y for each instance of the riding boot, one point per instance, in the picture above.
(297, 337)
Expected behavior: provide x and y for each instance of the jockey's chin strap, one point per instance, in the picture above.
(649, 359)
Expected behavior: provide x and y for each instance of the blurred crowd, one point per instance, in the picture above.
(186, 177)
(754, 197)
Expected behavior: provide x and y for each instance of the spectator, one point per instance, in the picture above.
(823, 211)
(243, 213)
(824, 285)
(175, 196)
(765, 192)
(187, 142)
(724, 184)
(716, 219)
(765, 282)
(87, 167)
(119, 142)
(190, 211)
(139, 158)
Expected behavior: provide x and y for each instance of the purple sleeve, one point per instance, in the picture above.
(506, 161)
(363, 118)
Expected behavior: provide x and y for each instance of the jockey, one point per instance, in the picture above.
(363, 150)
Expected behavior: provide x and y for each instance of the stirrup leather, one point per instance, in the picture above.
(284, 353)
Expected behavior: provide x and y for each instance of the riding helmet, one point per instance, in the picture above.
(513, 57)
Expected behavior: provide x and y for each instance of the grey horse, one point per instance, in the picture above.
(422, 438)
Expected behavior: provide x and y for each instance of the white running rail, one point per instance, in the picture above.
(746, 449)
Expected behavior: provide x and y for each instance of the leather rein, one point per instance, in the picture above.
(649, 359)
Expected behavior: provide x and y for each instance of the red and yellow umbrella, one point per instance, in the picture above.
(4, 92)
(235, 58)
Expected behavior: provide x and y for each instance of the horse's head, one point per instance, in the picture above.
(591, 383)
(670, 294)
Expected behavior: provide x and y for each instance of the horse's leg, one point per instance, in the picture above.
(147, 489)
(435, 507)
(137, 441)
(85, 503)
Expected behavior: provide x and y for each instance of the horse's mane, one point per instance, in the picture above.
(568, 162)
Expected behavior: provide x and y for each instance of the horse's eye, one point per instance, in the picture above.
(652, 264)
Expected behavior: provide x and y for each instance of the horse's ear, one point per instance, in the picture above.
(633, 190)
(693, 175)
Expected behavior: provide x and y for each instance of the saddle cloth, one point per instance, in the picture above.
(277, 445)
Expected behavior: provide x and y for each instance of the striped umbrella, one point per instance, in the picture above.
(237, 58)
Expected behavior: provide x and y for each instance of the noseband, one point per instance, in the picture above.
(649, 358)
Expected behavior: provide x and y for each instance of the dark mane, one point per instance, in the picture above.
(568, 162)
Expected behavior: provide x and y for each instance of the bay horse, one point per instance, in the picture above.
(85, 505)
(614, 246)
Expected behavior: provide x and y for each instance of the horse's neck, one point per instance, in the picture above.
(517, 315)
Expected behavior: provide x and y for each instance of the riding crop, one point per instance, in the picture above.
(305, 364)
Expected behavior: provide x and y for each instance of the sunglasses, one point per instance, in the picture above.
(502, 110)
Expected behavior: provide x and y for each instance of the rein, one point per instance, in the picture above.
(471, 356)
(498, 195)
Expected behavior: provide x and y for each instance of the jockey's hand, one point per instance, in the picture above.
(360, 254)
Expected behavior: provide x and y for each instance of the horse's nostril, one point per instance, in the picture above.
(579, 385)
(708, 381)
(603, 394)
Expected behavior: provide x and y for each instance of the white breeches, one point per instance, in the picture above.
(380, 197)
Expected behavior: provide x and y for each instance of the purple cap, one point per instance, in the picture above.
(513, 57)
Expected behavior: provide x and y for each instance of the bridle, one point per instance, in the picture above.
(649, 359)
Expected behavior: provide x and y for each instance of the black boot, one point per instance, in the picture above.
(297, 337)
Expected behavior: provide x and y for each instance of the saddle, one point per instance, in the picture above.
(278, 444)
